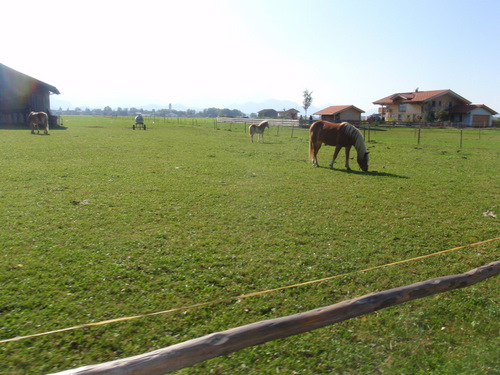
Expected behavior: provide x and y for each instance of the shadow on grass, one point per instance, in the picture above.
(384, 174)
(26, 128)
(369, 173)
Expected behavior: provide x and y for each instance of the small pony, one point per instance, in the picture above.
(37, 118)
(339, 135)
(259, 129)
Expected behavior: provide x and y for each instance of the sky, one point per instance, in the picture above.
(221, 53)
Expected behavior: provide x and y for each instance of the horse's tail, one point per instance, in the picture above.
(47, 122)
(313, 139)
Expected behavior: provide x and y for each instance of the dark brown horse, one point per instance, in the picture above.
(338, 135)
(37, 118)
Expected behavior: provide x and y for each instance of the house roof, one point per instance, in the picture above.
(466, 108)
(19, 83)
(417, 97)
(335, 109)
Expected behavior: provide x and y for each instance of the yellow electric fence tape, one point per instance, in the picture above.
(242, 296)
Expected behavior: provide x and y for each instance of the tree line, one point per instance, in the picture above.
(207, 112)
(108, 111)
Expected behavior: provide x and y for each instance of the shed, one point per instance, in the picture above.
(341, 113)
(477, 115)
(268, 113)
(20, 94)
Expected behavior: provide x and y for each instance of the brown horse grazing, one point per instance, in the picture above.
(259, 129)
(338, 135)
(37, 118)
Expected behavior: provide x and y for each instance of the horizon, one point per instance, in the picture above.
(243, 107)
(224, 54)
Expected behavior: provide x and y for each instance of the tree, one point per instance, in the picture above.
(108, 111)
(307, 101)
(441, 115)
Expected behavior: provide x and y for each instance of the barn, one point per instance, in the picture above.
(340, 113)
(268, 113)
(20, 94)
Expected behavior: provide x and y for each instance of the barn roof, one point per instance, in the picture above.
(334, 109)
(16, 83)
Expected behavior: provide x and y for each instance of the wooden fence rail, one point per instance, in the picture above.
(201, 349)
(276, 122)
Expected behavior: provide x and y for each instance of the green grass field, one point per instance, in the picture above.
(100, 221)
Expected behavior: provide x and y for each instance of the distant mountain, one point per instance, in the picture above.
(56, 103)
(370, 111)
(254, 107)
(176, 107)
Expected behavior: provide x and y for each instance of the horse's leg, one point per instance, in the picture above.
(251, 137)
(316, 147)
(335, 154)
(347, 150)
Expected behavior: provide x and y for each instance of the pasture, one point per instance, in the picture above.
(100, 221)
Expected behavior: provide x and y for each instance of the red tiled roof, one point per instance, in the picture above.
(334, 109)
(466, 108)
(416, 97)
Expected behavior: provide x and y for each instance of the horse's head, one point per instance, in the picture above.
(363, 161)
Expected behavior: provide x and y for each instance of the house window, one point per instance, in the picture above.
(439, 103)
(402, 107)
(433, 103)
(450, 104)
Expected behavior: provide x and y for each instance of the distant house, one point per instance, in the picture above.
(414, 106)
(290, 114)
(20, 94)
(340, 113)
(268, 113)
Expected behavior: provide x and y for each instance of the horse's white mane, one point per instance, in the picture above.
(355, 134)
